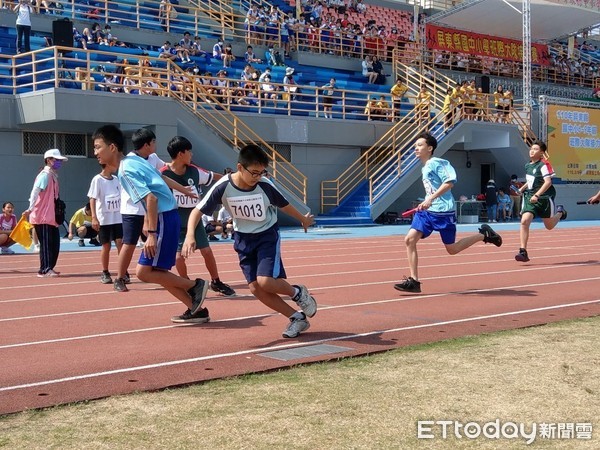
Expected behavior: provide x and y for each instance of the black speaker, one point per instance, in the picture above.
(483, 81)
(62, 33)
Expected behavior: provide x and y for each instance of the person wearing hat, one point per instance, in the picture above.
(42, 213)
(289, 85)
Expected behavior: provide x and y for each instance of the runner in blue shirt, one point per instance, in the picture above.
(437, 212)
(144, 184)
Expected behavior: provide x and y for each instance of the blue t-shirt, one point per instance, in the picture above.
(138, 178)
(253, 211)
(436, 172)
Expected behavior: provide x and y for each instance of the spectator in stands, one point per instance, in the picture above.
(187, 44)
(514, 190)
(360, 7)
(250, 24)
(23, 25)
(131, 81)
(423, 103)
(217, 51)
(167, 52)
(371, 109)
(398, 91)
(250, 57)
(221, 86)
(328, 93)
(383, 109)
(508, 105)
(228, 56)
(596, 93)
(289, 85)
(110, 82)
(78, 39)
(266, 73)
(93, 35)
(448, 109)
(82, 79)
(166, 12)
(378, 68)
(269, 91)
(499, 103)
(367, 69)
(273, 56)
(196, 50)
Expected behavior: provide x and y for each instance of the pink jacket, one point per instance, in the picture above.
(43, 209)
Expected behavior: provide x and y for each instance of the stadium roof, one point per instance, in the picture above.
(502, 18)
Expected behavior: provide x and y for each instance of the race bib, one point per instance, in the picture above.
(249, 207)
(185, 201)
(112, 203)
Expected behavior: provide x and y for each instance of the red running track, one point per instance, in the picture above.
(71, 338)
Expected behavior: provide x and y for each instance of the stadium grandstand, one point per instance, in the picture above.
(166, 65)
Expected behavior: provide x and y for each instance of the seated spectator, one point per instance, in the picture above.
(8, 222)
(289, 85)
(273, 56)
(94, 34)
(82, 79)
(269, 91)
(504, 205)
(250, 57)
(110, 82)
(378, 69)
(217, 51)
(224, 218)
(367, 70)
(360, 7)
(167, 52)
(371, 109)
(81, 222)
(383, 109)
(228, 56)
(212, 227)
(78, 39)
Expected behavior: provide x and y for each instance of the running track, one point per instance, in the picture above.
(71, 338)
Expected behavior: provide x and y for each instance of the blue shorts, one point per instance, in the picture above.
(132, 228)
(427, 222)
(167, 237)
(260, 254)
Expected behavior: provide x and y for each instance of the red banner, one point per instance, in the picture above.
(451, 40)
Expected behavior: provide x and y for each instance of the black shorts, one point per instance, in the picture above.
(132, 228)
(328, 101)
(89, 232)
(110, 233)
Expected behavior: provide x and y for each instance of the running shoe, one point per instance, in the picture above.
(305, 301)
(120, 285)
(222, 288)
(490, 236)
(81, 243)
(561, 209)
(105, 277)
(198, 294)
(50, 274)
(201, 316)
(126, 278)
(408, 285)
(298, 324)
(95, 242)
(522, 256)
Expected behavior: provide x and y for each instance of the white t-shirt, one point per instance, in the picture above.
(23, 15)
(137, 209)
(224, 215)
(108, 199)
(206, 219)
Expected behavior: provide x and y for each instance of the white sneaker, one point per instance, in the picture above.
(306, 301)
(298, 324)
(50, 274)
(7, 251)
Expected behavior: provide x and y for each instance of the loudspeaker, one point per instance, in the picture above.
(483, 81)
(62, 33)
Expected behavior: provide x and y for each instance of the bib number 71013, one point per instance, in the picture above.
(248, 207)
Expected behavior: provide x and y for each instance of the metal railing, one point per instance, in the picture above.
(57, 67)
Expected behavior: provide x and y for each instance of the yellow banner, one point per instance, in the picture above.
(573, 142)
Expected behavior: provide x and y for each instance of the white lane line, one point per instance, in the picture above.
(323, 308)
(286, 346)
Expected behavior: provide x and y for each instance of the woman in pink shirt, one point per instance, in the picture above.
(8, 222)
(41, 212)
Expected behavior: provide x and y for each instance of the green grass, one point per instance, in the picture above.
(534, 375)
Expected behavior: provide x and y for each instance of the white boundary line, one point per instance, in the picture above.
(286, 346)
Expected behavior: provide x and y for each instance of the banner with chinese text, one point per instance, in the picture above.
(452, 40)
(573, 142)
